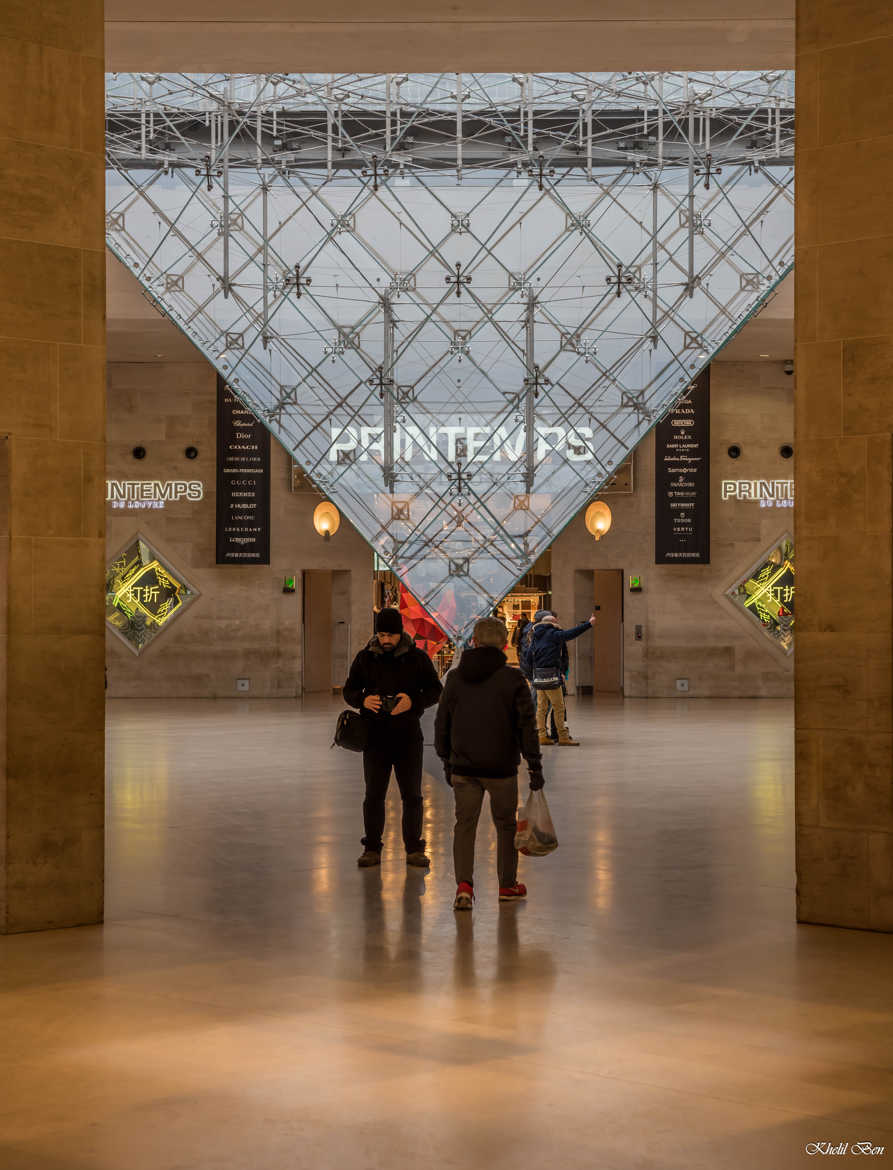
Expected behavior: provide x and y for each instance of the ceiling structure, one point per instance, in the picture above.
(482, 35)
(460, 300)
(769, 334)
(135, 329)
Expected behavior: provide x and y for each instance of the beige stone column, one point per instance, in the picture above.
(52, 407)
(844, 423)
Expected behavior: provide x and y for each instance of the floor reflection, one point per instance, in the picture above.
(257, 1000)
(464, 974)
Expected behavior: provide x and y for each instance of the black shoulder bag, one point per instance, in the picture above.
(351, 732)
(547, 678)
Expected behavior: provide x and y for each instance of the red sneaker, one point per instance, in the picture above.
(464, 896)
(512, 893)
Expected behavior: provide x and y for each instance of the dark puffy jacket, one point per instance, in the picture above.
(485, 720)
(525, 659)
(547, 647)
(524, 649)
(405, 669)
(520, 630)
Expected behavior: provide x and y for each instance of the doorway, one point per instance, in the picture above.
(326, 630)
(598, 660)
(608, 635)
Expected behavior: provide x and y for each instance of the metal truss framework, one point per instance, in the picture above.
(459, 300)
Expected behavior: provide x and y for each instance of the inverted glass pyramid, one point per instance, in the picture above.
(459, 300)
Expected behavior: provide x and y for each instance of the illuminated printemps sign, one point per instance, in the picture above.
(770, 493)
(143, 594)
(152, 493)
(503, 444)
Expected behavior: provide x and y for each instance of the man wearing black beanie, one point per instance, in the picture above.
(392, 682)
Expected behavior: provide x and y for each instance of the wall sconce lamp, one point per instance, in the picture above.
(598, 519)
(326, 519)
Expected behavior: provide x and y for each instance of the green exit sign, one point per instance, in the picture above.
(635, 584)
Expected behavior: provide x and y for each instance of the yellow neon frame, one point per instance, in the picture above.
(160, 572)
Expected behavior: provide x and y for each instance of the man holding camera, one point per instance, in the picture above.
(392, 682)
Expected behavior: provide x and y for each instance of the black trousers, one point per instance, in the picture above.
(405, 757)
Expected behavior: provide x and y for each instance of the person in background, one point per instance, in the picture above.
(484, 724)
(392, 682)
(524, 663)
(546, 657)
(518, 633)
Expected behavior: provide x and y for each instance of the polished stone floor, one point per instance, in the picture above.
(255, 1002)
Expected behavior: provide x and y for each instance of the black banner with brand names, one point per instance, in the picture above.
(243, 483)
(682, 480)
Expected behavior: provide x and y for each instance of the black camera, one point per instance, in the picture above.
(388, 703)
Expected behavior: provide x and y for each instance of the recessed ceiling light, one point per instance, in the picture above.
(162, 355)
(761, 355)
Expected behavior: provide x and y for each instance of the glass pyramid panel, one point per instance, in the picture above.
(459, 300)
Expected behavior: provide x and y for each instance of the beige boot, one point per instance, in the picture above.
(565, 739)
(546, 740)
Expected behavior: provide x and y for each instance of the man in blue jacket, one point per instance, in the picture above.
(544, 662)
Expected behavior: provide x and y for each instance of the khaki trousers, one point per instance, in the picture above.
(469, 792)
(555, 700)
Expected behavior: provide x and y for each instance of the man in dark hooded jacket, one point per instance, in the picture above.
(392, 682)
(484, 724)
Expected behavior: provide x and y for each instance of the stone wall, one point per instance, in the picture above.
(52, 407)
(844, 354)
(689, 630)
(242, 625)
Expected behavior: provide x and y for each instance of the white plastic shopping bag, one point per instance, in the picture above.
(536, 833)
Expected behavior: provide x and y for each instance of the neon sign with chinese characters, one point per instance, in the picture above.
(766, 593)
(143, 594)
